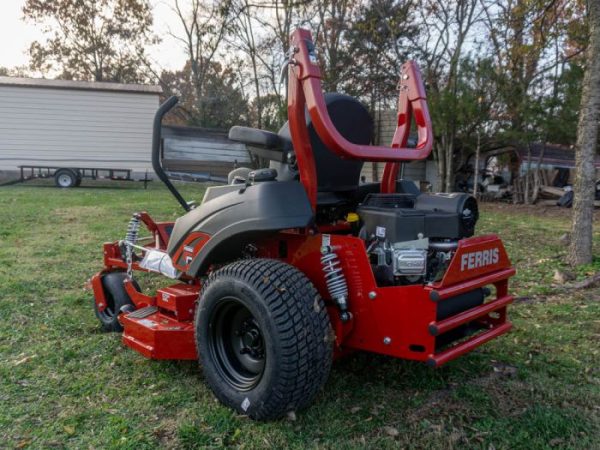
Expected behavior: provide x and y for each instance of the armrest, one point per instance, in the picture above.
(256, 137)
(261, 143)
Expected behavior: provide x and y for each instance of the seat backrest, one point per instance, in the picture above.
(354, 122)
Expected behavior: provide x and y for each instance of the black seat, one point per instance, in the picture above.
(338, 178)
(353, 121)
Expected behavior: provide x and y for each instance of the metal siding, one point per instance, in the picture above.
(75, 128)
(181, 148)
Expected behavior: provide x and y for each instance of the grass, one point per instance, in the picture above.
(64, 384)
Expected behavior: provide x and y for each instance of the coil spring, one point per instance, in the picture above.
(336, 282)
(133, 229)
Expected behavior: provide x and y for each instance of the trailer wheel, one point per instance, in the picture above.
(264, 338)
(116, 298)
(65, 178)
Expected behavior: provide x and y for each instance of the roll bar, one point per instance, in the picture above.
(163, 109)
(304, 90)
(412, 99)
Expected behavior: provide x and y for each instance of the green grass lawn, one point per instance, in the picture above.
(65, 384)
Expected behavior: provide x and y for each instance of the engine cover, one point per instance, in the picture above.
(405, 217)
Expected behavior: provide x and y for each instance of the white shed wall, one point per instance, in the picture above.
(75, 128)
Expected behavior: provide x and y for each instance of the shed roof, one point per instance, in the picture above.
(80, 85)
(554, 154)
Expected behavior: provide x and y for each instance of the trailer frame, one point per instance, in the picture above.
(30, 172)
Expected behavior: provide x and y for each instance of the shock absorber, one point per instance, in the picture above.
(335, 280)
(133, 228)
(131, 238)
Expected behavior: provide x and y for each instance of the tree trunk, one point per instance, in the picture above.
(441, 166)
(450, 167)
(476, 168)
(526, 197)
(580, 250)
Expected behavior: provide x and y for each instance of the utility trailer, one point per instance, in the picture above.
(67, 177)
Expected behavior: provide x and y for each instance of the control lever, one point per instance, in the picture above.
(290, 60)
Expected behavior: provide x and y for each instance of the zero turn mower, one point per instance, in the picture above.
(289, 267)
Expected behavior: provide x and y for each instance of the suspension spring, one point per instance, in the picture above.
(335, 280)
(131, 239)
(133, 229)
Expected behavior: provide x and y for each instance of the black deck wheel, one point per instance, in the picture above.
(116, 297)
(264, 338)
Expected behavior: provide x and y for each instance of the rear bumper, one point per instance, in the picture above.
(490, 316)
(438, 359)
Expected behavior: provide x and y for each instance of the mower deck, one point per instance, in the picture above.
(163, 329)
(156, 335)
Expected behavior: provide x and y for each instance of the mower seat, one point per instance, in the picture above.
(338, 179)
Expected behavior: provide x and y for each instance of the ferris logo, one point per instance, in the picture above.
(481, 258)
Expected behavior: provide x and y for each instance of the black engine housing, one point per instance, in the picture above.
(403, 217)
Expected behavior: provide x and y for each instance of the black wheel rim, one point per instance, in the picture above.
(236, 344)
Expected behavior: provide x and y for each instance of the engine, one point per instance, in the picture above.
(411, 238)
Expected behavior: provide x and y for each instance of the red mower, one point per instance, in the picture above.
(287, 268)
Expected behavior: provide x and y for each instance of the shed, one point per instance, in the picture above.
(76, 124)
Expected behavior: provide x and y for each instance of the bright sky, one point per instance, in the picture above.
(16, 35)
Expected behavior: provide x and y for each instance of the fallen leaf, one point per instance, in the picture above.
(391, 431)
(24, 360)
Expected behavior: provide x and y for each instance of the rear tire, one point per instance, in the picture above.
(116, 297)
(264, 338)
(65, 178)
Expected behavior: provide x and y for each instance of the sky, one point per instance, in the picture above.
(16, 35)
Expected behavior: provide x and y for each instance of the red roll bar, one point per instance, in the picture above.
(304, 89)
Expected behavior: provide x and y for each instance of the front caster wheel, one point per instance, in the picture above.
(264, 338)
(116, 297)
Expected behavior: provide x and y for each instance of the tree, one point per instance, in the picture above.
(101, 40)
(580, 251)
(222, 105)
(447, 26)
(244, 39)
(204, 29)
(330, 22)
(378, 43)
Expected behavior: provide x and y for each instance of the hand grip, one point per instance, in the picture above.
(156, 139)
